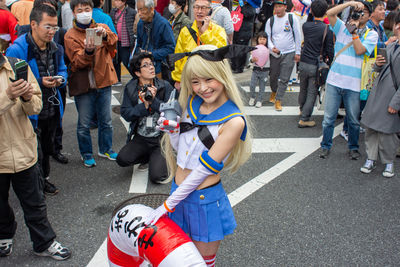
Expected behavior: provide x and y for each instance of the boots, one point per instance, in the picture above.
(278, 106)
(272, 97)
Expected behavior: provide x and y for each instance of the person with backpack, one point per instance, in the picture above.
(318, 43)
(202, 31)
(222, 17)
(284, 38)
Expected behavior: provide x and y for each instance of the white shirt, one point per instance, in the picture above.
(282, 35)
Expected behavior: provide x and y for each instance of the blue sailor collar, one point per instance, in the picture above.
(222, 114)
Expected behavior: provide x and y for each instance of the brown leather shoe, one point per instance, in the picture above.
(278, 106)
(272, 97)
(304, 124)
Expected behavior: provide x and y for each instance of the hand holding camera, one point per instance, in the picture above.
(147, 92)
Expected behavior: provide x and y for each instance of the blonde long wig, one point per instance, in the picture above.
(196, 66)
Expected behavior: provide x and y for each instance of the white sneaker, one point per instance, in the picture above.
(56, 251)
(388, 172)
(252, 101)
(258, 104)
(369, 165)
(345, 135)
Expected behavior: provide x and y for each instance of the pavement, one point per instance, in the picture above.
(292, 208)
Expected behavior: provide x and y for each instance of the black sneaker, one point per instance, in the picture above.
(5, 247)
(49, 188)
(324, 153)
(56, 251)
(354, 154)
(58, 156)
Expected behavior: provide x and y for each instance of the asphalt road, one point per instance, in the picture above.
(300, 210)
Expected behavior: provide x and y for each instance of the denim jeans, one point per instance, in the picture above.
(363, 103)
(308, 89)
(122, 56)
(351, 100)
(95, 102)
(258, 77)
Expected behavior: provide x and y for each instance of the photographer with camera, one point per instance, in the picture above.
(344, 78)
(141, 107)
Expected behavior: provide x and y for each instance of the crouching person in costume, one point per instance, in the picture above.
(213, 135)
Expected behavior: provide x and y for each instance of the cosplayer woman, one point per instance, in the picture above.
(213, 135)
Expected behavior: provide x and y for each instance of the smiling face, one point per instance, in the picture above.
(210, 90)
(379, 13)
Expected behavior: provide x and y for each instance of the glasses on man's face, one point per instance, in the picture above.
(51, 28)
(147, 65)
(202, 8)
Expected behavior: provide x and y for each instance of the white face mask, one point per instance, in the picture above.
(172, 8)
(84, 17)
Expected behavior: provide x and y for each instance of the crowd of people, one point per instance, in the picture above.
(51, 49)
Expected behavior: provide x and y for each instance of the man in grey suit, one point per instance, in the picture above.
(381, 114)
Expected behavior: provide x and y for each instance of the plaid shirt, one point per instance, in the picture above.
(123, 36)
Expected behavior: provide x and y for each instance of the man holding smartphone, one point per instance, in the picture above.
(344, 78)
(19, 154)
(46, 59)
(203, 31)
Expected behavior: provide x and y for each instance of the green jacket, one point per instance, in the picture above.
(180, 22)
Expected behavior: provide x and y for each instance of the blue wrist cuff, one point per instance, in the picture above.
(210, 164)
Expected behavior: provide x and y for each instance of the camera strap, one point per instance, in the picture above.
(341, 51)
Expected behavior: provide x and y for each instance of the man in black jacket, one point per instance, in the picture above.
(141, 107)
(314, 42)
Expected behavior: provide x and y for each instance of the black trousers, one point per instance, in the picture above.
(46, 133)
(239, 62)
(59, 131)
(144, 150)
(28, 186)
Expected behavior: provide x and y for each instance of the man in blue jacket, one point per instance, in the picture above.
(46, 59)
(154, 33)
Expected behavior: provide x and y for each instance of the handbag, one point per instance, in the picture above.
(368, 75)
(78, 82)
(323, 68)
(237, 18)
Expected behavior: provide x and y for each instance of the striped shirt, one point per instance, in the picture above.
(345, 72)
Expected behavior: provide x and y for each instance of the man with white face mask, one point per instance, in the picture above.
(178, 20)
(91, 75)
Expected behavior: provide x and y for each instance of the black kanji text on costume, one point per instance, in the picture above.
(128, 225)
(118, 221)
(142, 240)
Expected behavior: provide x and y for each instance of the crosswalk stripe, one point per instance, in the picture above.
(270, 111)
(291, 88)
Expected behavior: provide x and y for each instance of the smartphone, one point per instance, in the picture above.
(209, 14)
(59, 77)
(382, 52)
(90, 35)
(21, 70)
(351, 27)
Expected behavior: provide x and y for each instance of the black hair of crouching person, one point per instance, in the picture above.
(136, 62)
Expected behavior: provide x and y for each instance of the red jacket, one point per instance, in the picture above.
(8, 23)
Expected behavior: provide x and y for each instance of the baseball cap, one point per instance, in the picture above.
(282, 2)
(10, 2)
(368, 6)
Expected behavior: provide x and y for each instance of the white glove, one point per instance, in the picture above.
(191, 182)
(168, 126)
(156, 214)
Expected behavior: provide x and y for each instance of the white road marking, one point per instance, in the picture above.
(270, 111)
(139, 181)
(302, 148)
(291, 88)
(100, 259)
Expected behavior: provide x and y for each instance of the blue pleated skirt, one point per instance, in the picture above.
(205, 215)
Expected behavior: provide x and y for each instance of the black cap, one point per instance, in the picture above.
(282, 2)
(367, 5)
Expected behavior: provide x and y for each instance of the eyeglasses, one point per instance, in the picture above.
(202, 8)
(51, 28)
(147, 65)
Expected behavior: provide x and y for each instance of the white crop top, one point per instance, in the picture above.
(190, 146)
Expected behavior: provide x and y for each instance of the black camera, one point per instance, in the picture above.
(356, 15)
(148, 96)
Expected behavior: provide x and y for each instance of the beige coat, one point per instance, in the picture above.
(18, 144)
